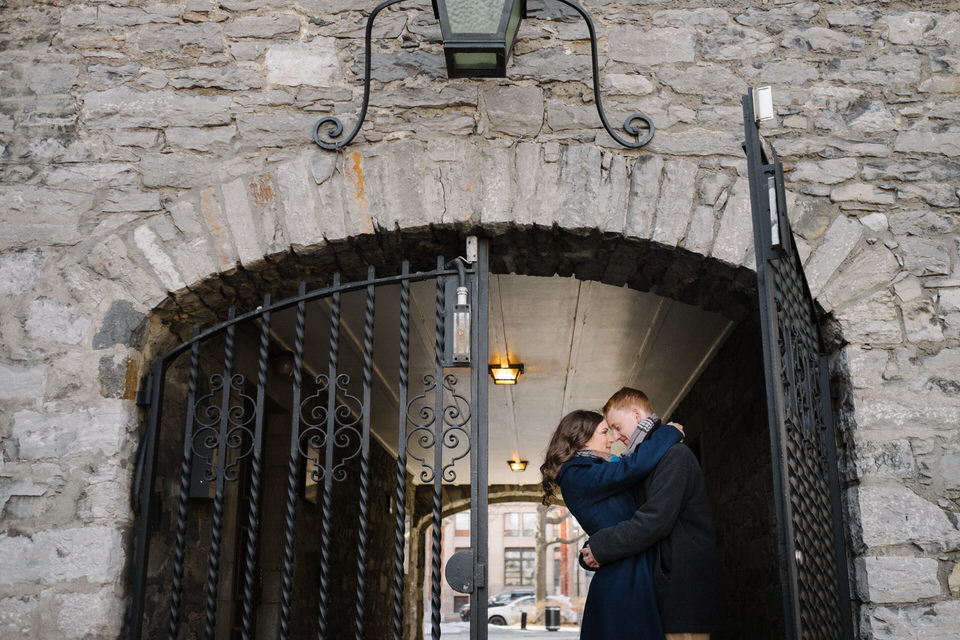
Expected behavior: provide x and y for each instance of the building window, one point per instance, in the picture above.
(461, 523)
(519, 524)
(518, 567)
(529, 524)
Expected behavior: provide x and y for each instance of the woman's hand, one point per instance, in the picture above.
(678, 427)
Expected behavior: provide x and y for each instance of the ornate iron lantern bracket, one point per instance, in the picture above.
(334, 127)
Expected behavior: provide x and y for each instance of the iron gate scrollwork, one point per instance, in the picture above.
(224, 417)
(813, 563)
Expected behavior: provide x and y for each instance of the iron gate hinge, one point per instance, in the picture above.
(480, 576)
(145, 390)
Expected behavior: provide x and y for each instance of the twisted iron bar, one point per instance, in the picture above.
(326, 508)
(286, 593)
(213, 566)
(628, 124)
(173, 629)
(437, 459)
(365, 458)
(401, 495)
(253, 523)
(335, 128)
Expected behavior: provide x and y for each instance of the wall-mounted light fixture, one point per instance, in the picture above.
(478, 38)
(517, 465)
(505, 373)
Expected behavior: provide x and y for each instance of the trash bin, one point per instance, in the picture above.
(551, 618)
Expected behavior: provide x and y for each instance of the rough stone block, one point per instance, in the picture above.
(271, 26)
(100, 430)
(923, 28)
(176, 170)
(824, 171)
(207, 37)
(216, 224)
(821, 39)
(556, 64)
(870, 268)
(303, 225)
(898, 70)
(57, 555)
(841, 238)
(930, 621)
(452, 95)
(925, 256)
(652, 47)
(514, 110)
(700, 236)
(51, 76)
(106, 496)
(51, 320)
(886, 580)
(21, 382)
(110, 258)
(928, 140)
(894, 515)
(626, 84)
(691, 18)
(920, 321)
(885, 459)
(735, 43)
(127, 108)
(277, 129)
(697, 141)
(83, 615)
(644, 193)
(570, 117)
(855, 17)
(775, 18)
(19, 271)
(735, 235)
(921, 222)
(874, 320)
(239, 218)
(706, 79)
(133, 16)
(200, 138)
(229, 78)
(16, 617)
(312, 63)
(862, 192)
(676, 201)
(120, 200)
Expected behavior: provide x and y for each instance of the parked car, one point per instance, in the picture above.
(512, 612)
(499, 600)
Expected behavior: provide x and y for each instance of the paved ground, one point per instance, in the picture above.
(461, 631)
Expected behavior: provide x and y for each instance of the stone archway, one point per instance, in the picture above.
(636, 263)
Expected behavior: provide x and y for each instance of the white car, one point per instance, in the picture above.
(510, 614)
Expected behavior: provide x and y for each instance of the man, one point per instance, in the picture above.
(674, 516)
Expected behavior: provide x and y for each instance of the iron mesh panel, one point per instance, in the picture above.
(804, 433)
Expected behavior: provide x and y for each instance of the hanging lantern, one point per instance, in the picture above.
(478, 35)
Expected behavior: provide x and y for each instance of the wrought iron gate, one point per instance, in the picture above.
(219, 420)
(813, 563)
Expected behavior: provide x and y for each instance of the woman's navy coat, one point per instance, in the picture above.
(621, 602)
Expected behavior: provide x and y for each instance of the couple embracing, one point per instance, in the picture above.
(652, 539)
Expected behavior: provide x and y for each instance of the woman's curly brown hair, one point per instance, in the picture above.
(571, 434)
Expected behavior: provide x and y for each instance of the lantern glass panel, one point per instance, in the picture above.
(475, 16)
(476, 62)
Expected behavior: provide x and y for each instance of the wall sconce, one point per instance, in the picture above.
(478, 38)
(505, 373)
(517, 465)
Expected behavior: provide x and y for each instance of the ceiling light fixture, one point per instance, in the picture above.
(517, 465)
(505, 373)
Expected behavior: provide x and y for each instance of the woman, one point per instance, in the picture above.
(599, 491)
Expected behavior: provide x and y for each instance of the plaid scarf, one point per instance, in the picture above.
(643, 428)
(590, 453)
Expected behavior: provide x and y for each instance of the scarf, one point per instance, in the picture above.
(643, 428)
(590, 453)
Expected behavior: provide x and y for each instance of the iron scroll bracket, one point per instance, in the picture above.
(628, 124)
(332, 126)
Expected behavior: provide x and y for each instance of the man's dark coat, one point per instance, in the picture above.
(675, 511)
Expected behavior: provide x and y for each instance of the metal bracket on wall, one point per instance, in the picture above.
(332, 127)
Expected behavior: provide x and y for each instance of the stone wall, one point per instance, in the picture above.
(151, 150)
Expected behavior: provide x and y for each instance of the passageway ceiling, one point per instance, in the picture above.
(579, 341)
